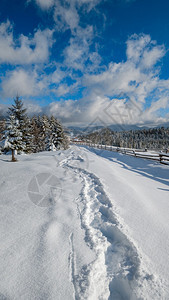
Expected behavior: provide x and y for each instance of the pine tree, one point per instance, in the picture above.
(2, 128)
(45, 131)
(18, 111)
(53, 137)
(60, 135)
(13, 135)
(28, 138)
(36, 132)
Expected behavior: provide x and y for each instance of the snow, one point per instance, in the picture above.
(84, 224)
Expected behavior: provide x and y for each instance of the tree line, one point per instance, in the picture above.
(20, 133)
(153, 138)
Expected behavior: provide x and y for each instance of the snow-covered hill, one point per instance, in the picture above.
(78, 224)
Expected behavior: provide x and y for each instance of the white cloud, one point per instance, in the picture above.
(24, 83)
(57, 76)
(117, 94)
(66, 17)
(77, 53)
(25, 50)
(32, 108)
(65, 110)
(45, 4)
(66, 12)
(137, 77)
(151, 57)
(134, 81)
(143, 51)
(62, 90)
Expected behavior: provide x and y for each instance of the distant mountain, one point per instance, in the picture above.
(115, 127)
(83, 130)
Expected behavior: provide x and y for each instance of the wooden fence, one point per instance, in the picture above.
(162, 157)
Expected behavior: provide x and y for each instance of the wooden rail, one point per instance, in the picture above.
(163, 158)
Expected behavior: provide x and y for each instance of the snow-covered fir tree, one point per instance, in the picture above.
(24, 126)
(13, 135)
(153, 138)
(2, 128)
(51, 140)
(19, 112)
(28, 138)
(36, 132)
(45, 131)
(62, 139)
(52, 134)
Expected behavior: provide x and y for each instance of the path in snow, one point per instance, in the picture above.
(114, 274)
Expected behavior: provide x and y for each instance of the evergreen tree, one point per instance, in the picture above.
(19, 112)
(13, 135)
(60, 135)
(35, 135)
(55, 135)
(53, 140)
(2, 128)
(45, 131)
(51, 135)
(28, 138)
(36, 132)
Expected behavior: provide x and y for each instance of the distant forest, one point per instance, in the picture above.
(154, 138)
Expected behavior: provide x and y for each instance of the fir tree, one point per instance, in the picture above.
(53, 139)
(62, 138)
(13, 135)
(19, 112)
(2, 129)
(45, 131)
(28, 138)
(36, 132)
(60, 135)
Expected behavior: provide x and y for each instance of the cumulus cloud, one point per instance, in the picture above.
(128, 92)
(120, 93)
(143, 51)
(22, 82)
(66, 17)
(77, 52)
(25, 50)
(32, 108)
(62, 90)
(57, 76)
(136, 77)
(45, 4)
(66, 12)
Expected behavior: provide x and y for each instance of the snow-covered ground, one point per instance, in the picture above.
(84, 224)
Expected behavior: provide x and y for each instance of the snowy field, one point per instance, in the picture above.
(84, 224)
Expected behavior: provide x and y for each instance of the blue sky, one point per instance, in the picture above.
(83, 60)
